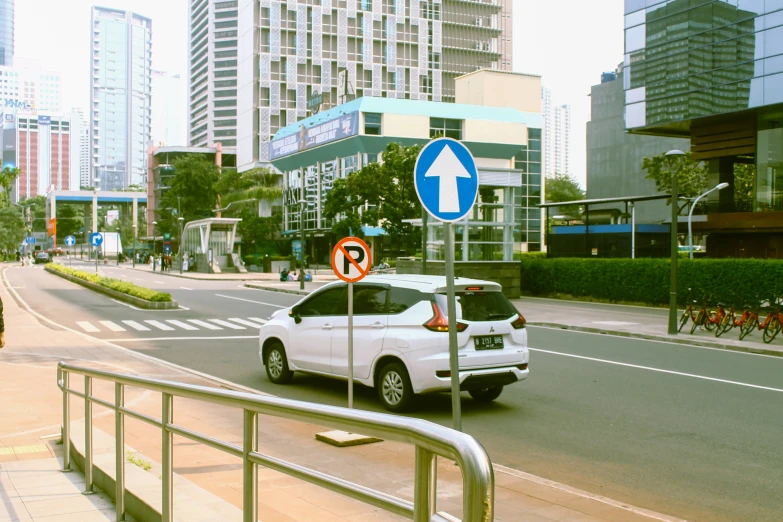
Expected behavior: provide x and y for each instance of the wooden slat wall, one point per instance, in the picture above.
(726, 139)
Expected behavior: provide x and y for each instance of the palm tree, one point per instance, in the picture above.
(7, 178)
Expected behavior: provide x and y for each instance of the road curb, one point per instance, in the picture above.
(662, 338)
(257, 286)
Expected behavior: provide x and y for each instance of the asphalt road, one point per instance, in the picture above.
(686, 431)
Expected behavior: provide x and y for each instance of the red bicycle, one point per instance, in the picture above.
(771, 324)
(730, 321)
(702, 317)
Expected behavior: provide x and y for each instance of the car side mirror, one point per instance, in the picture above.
(295, 314)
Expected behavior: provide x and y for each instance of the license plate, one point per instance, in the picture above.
(488, 342)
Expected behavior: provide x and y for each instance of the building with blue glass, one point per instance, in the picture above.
(711, 71)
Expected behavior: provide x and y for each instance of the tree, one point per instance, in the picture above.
(744, 186)
(384, 192)
(191, 193)
(7, 178)
(691, 180)
(562, 187)
(12, 230)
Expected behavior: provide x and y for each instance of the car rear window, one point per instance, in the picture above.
(480, 306)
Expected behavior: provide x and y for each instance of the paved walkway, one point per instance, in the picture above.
(322, 273)
(209, 482)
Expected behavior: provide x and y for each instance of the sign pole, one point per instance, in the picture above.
(350, 345)
(456, 405)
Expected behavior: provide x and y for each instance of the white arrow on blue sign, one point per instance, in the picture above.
(70, 240)
(96, 239)
(446, 179)
(30, 240)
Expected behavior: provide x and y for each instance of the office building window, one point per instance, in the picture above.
(372, 123)
(446, 128)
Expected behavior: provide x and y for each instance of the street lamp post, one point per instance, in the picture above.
(135, 241)
(302, 204)
(181, 220)
(118, 245)
(154, 244)
(674, 159)
(720, 186)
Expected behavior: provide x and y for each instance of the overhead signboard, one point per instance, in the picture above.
(44, 120)
(335, 129)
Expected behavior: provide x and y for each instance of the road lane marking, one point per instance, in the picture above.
(227, 324)
(195, 338)
(184, 326)
(259, 320)
(87, 326)
(660, 370)
(137, 326)
(186, 288)
(159, 325)
(245, 322)
(250, 301)
(111, 325)
(204, 324)
(159, 282)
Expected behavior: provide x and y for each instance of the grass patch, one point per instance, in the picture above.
(143, 464)
(114, 284)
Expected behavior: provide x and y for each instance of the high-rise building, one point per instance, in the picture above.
(212, 107)
(120, 90)
(80, 151)
(296, 59)
(43, 150)
(557, 135)
(26, 86)
(6, 32)
(168, 109)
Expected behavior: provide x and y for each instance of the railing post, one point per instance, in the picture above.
(88, 490)
(425, 484)
(167, 474)
(66, 428)
(249, 469)
(119, 437)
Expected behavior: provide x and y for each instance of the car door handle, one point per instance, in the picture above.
(378, 325)
(327, 326)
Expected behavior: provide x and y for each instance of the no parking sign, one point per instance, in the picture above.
(351, 259)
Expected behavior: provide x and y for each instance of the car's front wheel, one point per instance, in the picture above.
(277, 365)
(486, 394)
(394, 388)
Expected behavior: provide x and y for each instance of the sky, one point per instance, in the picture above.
(569, 42)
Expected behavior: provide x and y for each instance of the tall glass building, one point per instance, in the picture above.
(712, 71)
(120, 87)
(6, 32)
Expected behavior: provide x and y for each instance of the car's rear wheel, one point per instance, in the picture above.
(277, 365)
(486, 394)
(394, 388)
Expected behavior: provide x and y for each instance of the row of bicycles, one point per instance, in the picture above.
(765, 317)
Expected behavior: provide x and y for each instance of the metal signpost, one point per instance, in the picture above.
(446, 181)
(69, 242)
(96, 239)
(351, 262)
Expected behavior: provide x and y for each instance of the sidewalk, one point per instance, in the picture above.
(209, 482)
(323, 273)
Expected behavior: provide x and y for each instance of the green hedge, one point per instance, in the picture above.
(114, 284)
(732, 281)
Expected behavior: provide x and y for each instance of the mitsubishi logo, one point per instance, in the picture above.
(491, 329)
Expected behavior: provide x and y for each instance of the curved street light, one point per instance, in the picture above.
(720, 186)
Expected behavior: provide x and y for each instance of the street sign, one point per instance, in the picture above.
(30, 240)
(446, 179)
(351, 259)
(351, 262)
(70, 241)
(96, 239)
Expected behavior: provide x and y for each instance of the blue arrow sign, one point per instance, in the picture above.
(70, 240)
(446, 179)
(96, 239)
(30, 240)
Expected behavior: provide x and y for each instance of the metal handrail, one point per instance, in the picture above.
(431, 440)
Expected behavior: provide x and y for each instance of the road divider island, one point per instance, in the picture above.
(121, 290)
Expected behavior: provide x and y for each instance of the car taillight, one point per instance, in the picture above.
(439, 322)
(519, 322)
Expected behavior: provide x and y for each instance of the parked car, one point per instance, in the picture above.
(401, 337)
(42, 257)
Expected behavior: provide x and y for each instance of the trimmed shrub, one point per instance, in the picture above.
(114, 284)
(736, 282)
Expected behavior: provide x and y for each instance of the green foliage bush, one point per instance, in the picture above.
(114, 284)
(737, 282)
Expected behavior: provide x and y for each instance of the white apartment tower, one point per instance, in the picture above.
(557, 135)
(79, 151)
(328, 51)
(26, 86)
(120, 91)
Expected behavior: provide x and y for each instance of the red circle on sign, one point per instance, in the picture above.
(340, 252)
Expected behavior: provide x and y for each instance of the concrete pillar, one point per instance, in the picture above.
(135, 222)
(721, 170)
(95, 212)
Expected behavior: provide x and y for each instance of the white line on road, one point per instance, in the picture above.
(204, 324)
(146, 339)
(245, 322)
(111, 325)
(137, 326)
(227, 324)
(159, 325)
(259, 320)
(186, 288)
(159, 282)
(249, 301)
(184, 326)
(659, 370)
(87, 326)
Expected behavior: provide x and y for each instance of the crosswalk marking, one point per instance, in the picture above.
(137, 326)
(258, 320)
(111, 325)
(251, 324)
(160, 326)
(184, 326)
(87, 326)
(204, 324)
(227, 324)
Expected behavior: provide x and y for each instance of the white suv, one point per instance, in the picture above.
(401, 337)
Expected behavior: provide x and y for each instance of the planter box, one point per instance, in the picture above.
(135, 301)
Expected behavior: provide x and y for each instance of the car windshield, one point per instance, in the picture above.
(480, 306)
